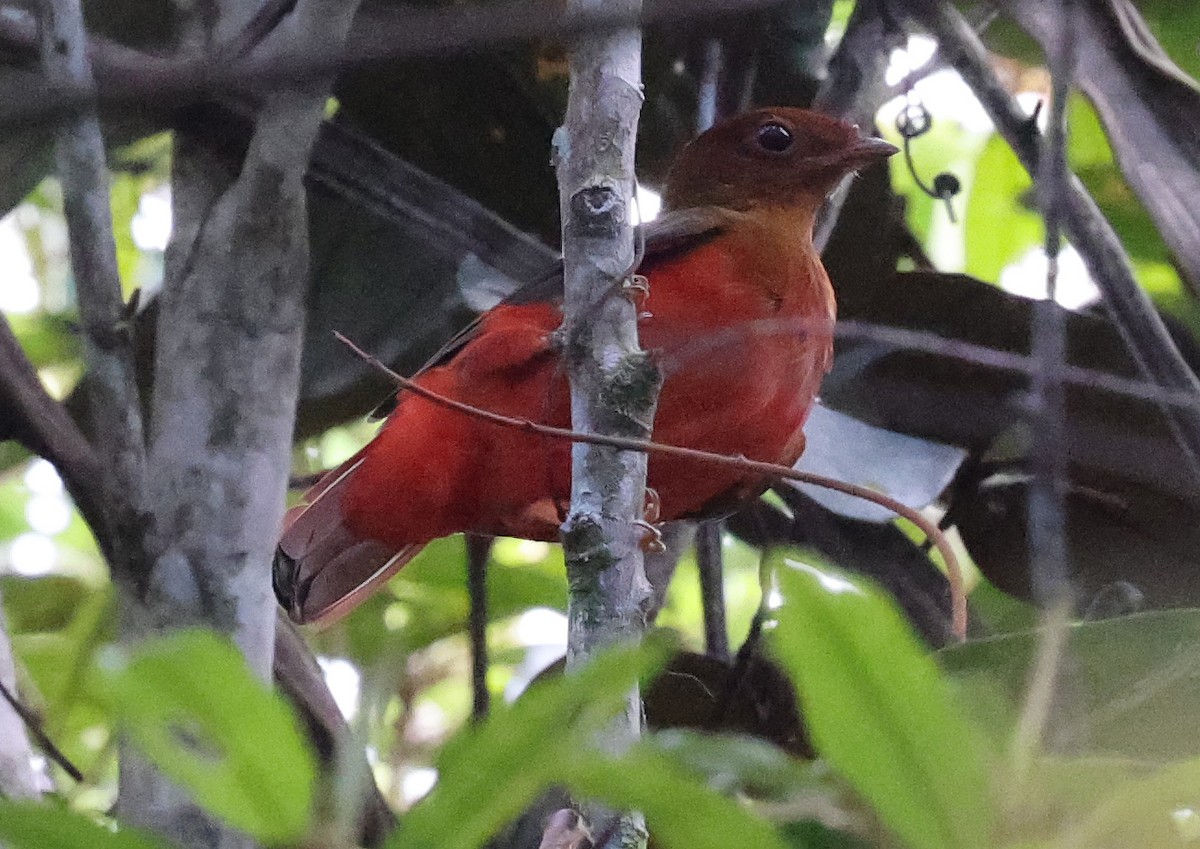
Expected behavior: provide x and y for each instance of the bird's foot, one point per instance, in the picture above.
(652, 508)
(636, 288)
(652, 541)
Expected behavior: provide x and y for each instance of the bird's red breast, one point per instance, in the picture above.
(739, 318)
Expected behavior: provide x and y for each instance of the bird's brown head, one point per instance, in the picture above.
(769, 157)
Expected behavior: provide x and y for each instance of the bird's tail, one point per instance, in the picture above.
(322, 570)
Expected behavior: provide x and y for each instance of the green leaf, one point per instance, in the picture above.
(27, 825)
(46, 339)
(1161, 281)
(680, 812)
(734, 763)
(1175, 26)
(487, 775)
(1003, 228)
(46, 603)
(1133, 683)
(1154, 811)
(878, 709)
(191, 704)
(813, 835)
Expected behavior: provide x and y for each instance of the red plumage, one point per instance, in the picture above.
(730, 266)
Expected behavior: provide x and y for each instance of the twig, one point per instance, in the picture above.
(769, 470)
(711, 565)
(357, 810)
(1047, 516)
(710, 82)
(479, 548)
(43, 740)
(1150, 110)
(264, 22)
(1139, 323)
(1030, 731)
(383, 34)
(927, 342)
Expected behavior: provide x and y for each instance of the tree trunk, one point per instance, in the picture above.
(226, 378)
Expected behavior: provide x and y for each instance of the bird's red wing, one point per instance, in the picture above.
(323, 568)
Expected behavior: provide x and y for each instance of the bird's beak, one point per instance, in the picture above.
(869, 149)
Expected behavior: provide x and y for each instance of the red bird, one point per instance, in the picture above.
(733, 247)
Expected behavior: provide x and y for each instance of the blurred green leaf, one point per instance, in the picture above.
(11, 455)
(428, 601)
(733, 763)
(41, 604)
(1134, 683)
(813, 835)
(1162, 281)
(680, 812)
(998, 612)
(1175, 25)
(1147, 812)
(1091, 157)
(46, 339)
(1056, 793)
(1003, 229)
(124, 195)
(878, 709)
(58, 662)
(194, 708)
(26, 825)
(489, 774)
(1087, 143)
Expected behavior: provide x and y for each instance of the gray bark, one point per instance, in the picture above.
(614, 386)
(226, 380)
(113, 400)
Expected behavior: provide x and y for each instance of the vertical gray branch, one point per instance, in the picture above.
(113, 403)
(1048, 553)
(614, 386)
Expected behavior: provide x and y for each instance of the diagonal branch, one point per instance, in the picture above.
(383, 33)
(1150, 109)
(43, 426)
(1139, 323)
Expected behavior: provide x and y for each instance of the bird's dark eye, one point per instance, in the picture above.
(775, 138)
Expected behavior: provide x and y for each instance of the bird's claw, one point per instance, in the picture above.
(652, 541)
(636, 288)
(652, 508)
